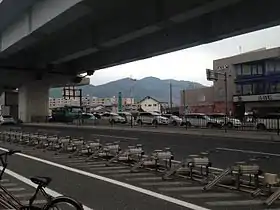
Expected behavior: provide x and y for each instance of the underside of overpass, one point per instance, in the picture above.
(92, 35)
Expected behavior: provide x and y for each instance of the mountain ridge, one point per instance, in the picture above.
(148, 86)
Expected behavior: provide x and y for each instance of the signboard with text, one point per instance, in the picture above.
(263, 97)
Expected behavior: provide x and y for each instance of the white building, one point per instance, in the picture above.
(149, 104)
(88, 101)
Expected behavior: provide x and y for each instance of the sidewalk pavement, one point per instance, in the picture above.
(254, 135)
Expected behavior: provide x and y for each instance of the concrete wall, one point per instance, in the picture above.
(33, 102)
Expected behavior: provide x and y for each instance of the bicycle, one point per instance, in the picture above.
(7, 200)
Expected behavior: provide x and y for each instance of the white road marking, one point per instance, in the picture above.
(114, 171)
(178, 189)
(14, 189)
(235, 203)
(115, 137)
(30, 183)
(115, 182)
(4, 180)
(133, 175)
(92, 165)
(210, 195)
(165, 183)
(26, 202)
(104, 168)
(9, 184)
(23, 195)
(248, 151)
(144, 179)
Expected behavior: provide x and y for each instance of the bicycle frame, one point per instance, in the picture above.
(10, 201)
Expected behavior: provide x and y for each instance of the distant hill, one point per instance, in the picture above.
(149, 86)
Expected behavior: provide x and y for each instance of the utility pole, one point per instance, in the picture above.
(170, 96)
(184, 102)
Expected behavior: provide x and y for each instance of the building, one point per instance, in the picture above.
(198, 100)
(89, 101)
(253, 84)
(149, 104)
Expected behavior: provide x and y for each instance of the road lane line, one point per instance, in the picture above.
(145, 179)
(26, 202)
(248, 151)
(114, 171)
(30, 183)
(14, 189)
(235, 203)
(133, 174)
(24, 195)
(165, 183)
(115, 137)
(178, 189)
(104, 168)
(8, 184)
(211, 195)
(115, 182)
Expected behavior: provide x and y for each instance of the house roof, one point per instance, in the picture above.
(149, 97)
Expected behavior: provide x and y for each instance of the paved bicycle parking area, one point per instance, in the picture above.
(181, 145)
(181, 189)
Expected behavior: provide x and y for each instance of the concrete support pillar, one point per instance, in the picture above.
(33, 103)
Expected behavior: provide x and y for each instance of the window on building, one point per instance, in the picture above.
(247, 89)
(238, 89)
(272, 88)
(277, 67)
(258, 88)
(260, 69)
(155, 104)
(277, 88)
(238, 70)
(254, 69)
(246, 70)
(270, 67)
(150, 105)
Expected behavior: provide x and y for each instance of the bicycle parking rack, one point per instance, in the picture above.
(159, 159)
(109, 150)
(236, 172)
(131, 154)
(195, 166)
(75, 147)
(242, 176)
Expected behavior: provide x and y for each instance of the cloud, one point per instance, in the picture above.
(190, 64)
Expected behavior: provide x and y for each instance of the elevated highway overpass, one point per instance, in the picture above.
(48, 41)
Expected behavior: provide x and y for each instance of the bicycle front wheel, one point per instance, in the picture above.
(63, 203)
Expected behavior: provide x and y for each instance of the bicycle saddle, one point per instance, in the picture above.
(41, 181)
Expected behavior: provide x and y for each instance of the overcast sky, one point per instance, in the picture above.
(190, 64)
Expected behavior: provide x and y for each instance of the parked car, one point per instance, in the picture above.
(173, 119)
(151, 118)
(201, 120)
(268, 122)
(230, 122)
(7, 120)
(113, 117)
(127, 116)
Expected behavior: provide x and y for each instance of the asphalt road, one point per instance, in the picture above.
(100, 194)
(184, 145)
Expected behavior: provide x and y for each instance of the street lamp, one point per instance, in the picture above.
(213, 75)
